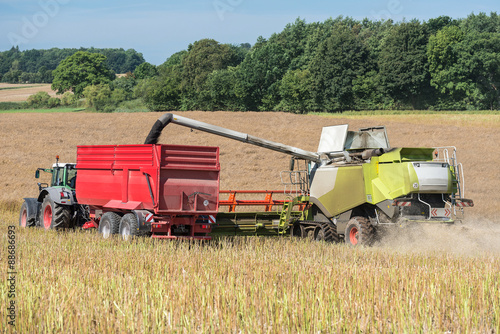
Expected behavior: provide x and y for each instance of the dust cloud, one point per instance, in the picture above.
(472, 237)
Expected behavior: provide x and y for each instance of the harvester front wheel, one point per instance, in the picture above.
(54, 215)
(359, 232)
(109, 224)
(128, 226)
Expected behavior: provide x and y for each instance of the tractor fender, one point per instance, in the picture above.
(33, 208)
(55, 195)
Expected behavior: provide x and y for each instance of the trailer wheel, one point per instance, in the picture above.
(359, 232)
(109, 224)
(128, 226)
(54, 215)
(327, 232)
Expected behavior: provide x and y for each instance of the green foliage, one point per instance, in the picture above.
(38, 100)
(340, 59)
(11, 105)
(35, 66)
(175, 59)
(53, 102)
(223, 92)
(260, 74)
(81, 70)
(98, 97)
(203, 57)
(403, 64)
(163, 92)
(295, 92)
(68, 99)
(41, 100)
(336, 65)
(145, 70)
(126, 84)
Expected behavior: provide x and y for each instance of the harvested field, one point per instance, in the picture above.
(21, 92)
(428, 280)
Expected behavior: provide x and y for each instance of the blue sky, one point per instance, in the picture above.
(158, 29)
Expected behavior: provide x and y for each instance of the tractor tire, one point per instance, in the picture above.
(23, 216)
(109, 224)
(128, 227)
(327, 232)
(359, 232)
(53, 215)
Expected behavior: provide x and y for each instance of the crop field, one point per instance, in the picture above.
(21, 92)
(433, 279)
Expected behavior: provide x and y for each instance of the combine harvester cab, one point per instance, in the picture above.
(166, 191)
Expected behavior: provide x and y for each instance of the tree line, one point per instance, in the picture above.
(336, 65)
(36, 66)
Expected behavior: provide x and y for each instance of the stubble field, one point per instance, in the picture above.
(21, 92)
(431, 280)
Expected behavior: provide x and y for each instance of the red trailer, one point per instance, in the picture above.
(167, 191)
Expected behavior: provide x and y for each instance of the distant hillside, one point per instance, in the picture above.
(36, 65)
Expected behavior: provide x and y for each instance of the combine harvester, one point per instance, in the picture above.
(353, 188)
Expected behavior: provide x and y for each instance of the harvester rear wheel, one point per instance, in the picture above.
(109, 224)
(128, 226)
(54, 215)
(327, 232)
(359, 232)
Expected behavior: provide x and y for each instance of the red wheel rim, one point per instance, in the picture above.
(23, 218)
(353, 236)
(47, 217)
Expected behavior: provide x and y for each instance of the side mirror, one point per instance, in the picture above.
(292, 163)
(37, 174)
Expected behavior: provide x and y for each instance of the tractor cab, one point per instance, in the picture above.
(63, 174)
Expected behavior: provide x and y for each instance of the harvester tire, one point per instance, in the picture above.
(327, 232)
(128, 227)
(109, 224)
(54, 215)
(359, 232)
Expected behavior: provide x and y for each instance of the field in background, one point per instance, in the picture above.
(434, 279)
(21, 92)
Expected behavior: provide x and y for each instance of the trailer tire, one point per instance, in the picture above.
(53, 215)
(359, 232)
(129, 226)
(109, 224)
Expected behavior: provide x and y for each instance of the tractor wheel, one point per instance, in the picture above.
(54, 215)
(23, 216)
(359, 232)
(109, 224)
(128, 226)
(327, 232)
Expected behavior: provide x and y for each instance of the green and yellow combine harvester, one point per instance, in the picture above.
(353, 188)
